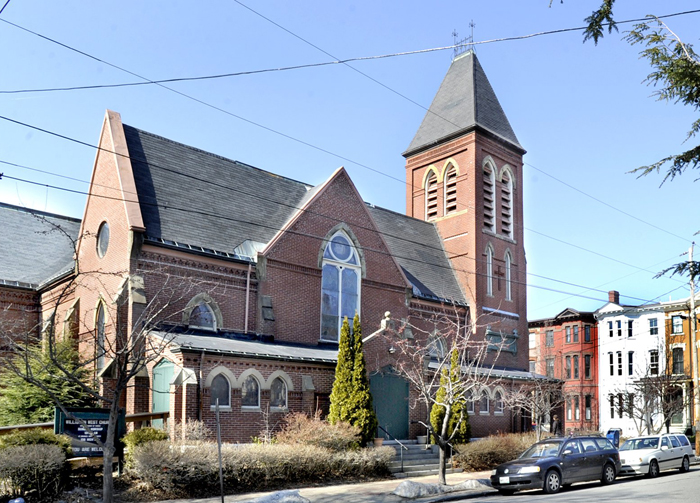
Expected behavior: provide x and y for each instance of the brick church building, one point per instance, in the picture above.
(272, 265)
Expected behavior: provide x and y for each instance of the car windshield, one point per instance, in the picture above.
(542, 450)
(640, 443)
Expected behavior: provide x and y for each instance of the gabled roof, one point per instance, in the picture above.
(465, 101)
(37, 246)
(209, 204)
(418, 249)
(200, 199)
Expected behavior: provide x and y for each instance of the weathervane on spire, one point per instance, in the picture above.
(464, 45)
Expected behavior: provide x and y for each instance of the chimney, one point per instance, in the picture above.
(614, 296)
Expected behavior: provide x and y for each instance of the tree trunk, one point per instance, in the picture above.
(443, 465)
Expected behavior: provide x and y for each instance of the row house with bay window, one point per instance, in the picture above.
(565, 347)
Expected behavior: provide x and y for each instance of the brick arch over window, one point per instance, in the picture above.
(450, 172)
(507, 197)
(221, 370)
(206, 300)
(430, 184)
(489, 202)
(342, 226)
(243, 378)
(282, 375)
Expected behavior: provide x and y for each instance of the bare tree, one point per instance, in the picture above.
(139, 338)
(538, 398)
(442, 344)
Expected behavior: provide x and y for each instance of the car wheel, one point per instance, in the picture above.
(608, 474)
(552, 482)
(685, 465)
(507, 492)
(653, 469)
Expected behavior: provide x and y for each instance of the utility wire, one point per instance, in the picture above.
(291, 206)
(3, 7)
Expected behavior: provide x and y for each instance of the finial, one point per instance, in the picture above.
(464, 45)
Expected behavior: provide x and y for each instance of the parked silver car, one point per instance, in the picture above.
(651, 454)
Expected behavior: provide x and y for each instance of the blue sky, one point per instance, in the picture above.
(581, 111)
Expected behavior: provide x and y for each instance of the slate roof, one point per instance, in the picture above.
(36, 246)
(464, 101)
(255, 349)
(198, 198)
(208, 203)
(418, 249)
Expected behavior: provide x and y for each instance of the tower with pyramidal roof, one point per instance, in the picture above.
(464, 173)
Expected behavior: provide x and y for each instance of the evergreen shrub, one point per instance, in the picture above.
(36, 436)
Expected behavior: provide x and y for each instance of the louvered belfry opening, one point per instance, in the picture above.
(431, 197)
(451, 190)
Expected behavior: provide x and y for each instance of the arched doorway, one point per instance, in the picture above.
(390, 398)
(162, 375)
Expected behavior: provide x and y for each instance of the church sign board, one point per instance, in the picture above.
(83, 442)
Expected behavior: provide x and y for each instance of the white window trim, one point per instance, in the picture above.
(341, 265)
(489, 271)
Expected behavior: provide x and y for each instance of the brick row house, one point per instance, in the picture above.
(565, 347)
(250, 274)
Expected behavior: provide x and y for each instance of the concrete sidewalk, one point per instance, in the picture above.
(369, 492)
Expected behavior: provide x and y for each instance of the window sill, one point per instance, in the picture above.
(482, 413)
(498, 413)
(279, 409)
(250, 409)
(222, 408)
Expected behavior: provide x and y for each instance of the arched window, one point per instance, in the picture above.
(484, 402)
(250, 392)
(100, 336)
(450, 189)
(278, 393)
(509, 289)
(340, 285)
(489, 270)
(436, 347)
(221, 390)
(471, 398)
(489, 182)
(499, 406)
(507, 204)
(202, 316)
(431, 196)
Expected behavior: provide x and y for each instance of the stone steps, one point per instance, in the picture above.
(418, 461)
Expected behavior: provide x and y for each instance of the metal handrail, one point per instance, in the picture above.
(397, 441)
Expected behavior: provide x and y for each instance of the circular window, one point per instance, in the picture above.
(102, 239)
(340, 247)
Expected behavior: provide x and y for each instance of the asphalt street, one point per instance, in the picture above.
(669, 487)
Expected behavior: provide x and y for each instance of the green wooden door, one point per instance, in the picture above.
(162, 375)
(390, 398)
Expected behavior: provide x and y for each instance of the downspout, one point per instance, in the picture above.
(247, 297)
(201, 387)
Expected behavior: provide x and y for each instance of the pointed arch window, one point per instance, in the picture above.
(202, 316)
(340, 285)
(278, 393)
(250, 392)
(489, 270)
(221, 391)
(507, 204)
(450, 189)
(431, 196)
(100, 336)
(489, 183)
(509, 285)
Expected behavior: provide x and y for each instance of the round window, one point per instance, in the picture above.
(340, 247)
(102, 239)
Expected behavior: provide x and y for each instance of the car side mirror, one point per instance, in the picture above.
(567, 452)
(664, 447)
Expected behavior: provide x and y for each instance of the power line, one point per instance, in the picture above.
(3, 7)
(187, 175)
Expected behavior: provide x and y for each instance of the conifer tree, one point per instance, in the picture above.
(362, 413)
(22, 402)
(341, 395)
(459, 419)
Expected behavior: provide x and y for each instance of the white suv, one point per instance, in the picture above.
(651, 454)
